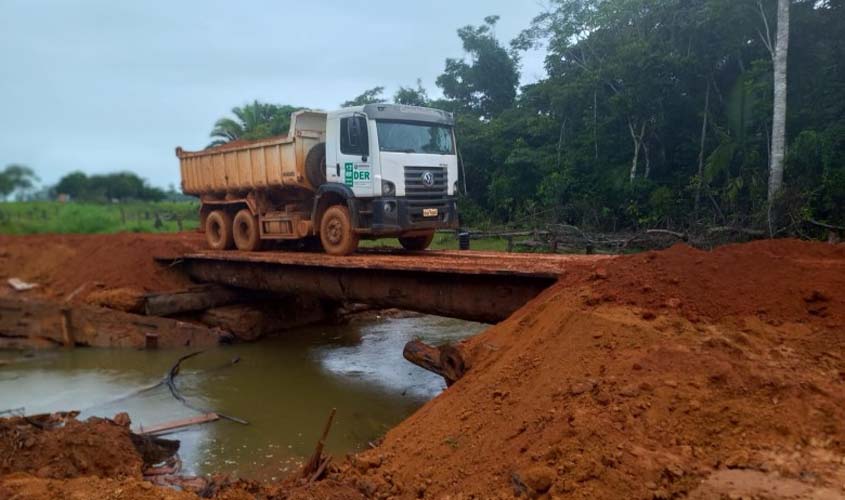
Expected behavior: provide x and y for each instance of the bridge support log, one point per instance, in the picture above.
(446, 361)
(487, 298)
(194, 299)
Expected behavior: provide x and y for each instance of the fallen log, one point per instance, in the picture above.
(446, 361)
(197, 298)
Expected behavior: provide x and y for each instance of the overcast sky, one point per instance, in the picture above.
(107, 85)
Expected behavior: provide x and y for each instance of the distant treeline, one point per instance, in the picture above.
(19, 182)
(107, 187)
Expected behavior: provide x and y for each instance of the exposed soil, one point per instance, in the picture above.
(74, 266)
(48, 449)
(667, 374)
(651, 376)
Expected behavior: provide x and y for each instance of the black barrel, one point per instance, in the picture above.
(463, 240)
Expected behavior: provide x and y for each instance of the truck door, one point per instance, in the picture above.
(354, 163)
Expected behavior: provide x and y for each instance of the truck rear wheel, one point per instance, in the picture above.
(218, 230)
(245, 231)
(336, 232)
(416, 243)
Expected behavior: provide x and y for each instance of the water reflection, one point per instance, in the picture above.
(285, 388)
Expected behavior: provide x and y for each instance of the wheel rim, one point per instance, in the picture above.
(243, 230)
(216, 230)
(334, 231)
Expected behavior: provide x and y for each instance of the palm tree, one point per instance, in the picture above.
(256, 120)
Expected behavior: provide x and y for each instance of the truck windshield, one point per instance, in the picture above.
(406, 137)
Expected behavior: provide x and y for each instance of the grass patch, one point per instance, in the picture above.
(38, 217)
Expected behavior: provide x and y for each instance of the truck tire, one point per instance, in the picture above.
(416, 243)
(218, 230)
(336, 233)
(245, 231)
(315, 165)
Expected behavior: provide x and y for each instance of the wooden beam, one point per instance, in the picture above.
(178, 424)
(193, 299)
(39, 323)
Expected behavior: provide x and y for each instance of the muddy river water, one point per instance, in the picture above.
(285, 387)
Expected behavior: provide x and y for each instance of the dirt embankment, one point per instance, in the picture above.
(77, 266)
(651, 376)
(661, 375)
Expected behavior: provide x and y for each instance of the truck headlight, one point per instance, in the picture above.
(388, 188)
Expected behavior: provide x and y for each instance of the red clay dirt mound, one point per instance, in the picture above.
(64, 264)
(97, 447)
(581, 395)
(775, 280)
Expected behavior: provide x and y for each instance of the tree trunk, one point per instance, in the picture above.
(779, 115)
(701, 148)
(560, 142)
(638, 141)
(596, 123)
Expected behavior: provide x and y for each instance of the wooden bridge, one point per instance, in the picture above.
(478, 286)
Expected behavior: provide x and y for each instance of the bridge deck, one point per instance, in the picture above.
(440, 261)
(480, 286)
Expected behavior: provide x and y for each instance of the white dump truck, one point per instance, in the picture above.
(374, 171)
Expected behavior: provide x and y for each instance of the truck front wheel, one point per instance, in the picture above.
(336, 232)
(218, 230)
(245, 231)
(416, 243)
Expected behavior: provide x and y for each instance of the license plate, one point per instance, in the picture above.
(430, 212)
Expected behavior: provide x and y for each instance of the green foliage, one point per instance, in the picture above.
(486, 85)
(620, 67)
(253, 121)
(649, 76)
(16, 178)
(88, 218)
(412, 96)
(120, 186)
(371, 96)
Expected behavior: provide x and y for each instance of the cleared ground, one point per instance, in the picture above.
(670, 374)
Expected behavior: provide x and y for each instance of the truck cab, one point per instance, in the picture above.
(401, 166)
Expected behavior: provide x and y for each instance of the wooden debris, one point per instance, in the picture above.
(446, 361)
(40, 323)
(179, 424)
(317, 464)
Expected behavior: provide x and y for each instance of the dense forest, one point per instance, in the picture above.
(654, 114)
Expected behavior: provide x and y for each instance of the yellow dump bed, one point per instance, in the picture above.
(275, 162)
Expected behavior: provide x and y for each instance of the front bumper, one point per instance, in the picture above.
(393, 216)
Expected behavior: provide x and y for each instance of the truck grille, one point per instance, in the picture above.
(421, 196)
